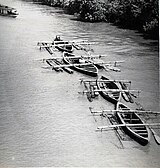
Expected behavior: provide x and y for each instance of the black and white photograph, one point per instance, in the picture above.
(79, 83)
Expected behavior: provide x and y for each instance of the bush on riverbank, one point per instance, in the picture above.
(87, 10)
(134, 14)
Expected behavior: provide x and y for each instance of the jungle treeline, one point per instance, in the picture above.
(142, 15)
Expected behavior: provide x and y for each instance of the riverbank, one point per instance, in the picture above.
(134, 14)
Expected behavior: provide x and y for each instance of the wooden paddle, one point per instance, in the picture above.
(156, 137)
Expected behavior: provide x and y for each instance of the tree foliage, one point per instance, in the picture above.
(133, 14)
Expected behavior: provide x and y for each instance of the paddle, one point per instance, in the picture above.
(156, 137)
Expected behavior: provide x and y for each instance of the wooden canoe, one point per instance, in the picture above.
(63, 46)
(112, 97)
(139, 133)
(90, 69)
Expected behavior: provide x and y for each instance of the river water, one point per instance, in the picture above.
(44, 121)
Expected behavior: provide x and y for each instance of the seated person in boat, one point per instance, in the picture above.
(58, 38)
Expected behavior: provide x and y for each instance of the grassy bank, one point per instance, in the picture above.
(140, 15)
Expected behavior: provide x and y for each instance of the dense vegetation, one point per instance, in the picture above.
(134, 14)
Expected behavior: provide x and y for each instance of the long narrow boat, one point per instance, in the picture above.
(139, 133)
(112, 97)
(61, 45)
(8, 11)
(64, 47)
(88, 69)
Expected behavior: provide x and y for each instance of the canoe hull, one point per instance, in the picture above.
(64, 49)
(140, 134)
(105, 95)
(63, 46)
(90, 70)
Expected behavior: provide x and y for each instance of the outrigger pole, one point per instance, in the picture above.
(111, 90)
(106, 81)
(127, 125)
(123, 111)
(70, 65)
(63, 44)
(156, 137)
(82, 56)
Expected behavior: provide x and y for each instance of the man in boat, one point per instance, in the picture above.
(57, 38)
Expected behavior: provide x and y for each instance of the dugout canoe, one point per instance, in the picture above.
(88, 69)
(112, 97)
(140, 133)
(62, 46)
